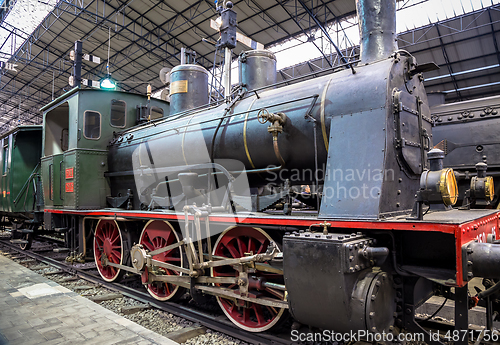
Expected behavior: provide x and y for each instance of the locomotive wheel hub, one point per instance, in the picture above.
(138, 255)
(108, 247)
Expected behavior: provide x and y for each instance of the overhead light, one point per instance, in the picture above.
(108, 83)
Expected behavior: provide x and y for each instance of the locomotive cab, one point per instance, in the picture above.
(78, 127)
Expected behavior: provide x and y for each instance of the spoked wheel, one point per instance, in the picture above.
(159, 234)
(234, 243)
(108, 240)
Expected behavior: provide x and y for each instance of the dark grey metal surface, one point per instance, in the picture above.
(325, 292)
(377, 28)
(456, 216)
(352, 188)
(196, 94)
(363, 99)
(482, 260)
(257, 68)
(471, 132)
(468, 134)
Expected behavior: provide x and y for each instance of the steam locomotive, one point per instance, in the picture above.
(208, 198)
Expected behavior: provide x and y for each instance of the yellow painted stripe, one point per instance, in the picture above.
(245, 133)
(323, 125)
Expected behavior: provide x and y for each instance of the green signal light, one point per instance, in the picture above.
(108, 83)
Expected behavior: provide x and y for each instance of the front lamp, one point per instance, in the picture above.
(482, 188)
(438, 186)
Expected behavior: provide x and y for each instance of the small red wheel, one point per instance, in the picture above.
(234, 242)
(159, 234)
(108, 240)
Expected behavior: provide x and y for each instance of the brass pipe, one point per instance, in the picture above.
(277, 151)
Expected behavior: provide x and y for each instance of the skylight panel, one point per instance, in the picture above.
(25, 15)
(467, 5)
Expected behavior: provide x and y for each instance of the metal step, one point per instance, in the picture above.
(18, 241)
(25, 231)
(60, 250)
(61, 230)
(22, 231)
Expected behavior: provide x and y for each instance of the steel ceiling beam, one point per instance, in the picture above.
(493, 36)
(302, 29)
(325, 32)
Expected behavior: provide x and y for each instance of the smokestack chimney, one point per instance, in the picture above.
(377, 29)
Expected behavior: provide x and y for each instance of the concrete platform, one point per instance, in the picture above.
(36, 310)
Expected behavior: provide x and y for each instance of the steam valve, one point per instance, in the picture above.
(277, 120)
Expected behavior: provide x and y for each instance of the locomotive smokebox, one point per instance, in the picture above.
(257, 68)
(188, 88)
(377, 29)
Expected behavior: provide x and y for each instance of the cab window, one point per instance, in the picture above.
(118, 113)
(92, 125)
(155, 113)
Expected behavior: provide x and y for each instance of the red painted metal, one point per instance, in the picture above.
(69, 173)
(479, 230)
(272, 220)
(70, 188)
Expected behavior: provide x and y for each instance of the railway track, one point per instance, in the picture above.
(218, 323)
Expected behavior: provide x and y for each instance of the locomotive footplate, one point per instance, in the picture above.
(333, 282)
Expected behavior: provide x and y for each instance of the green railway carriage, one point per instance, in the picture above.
(21, 203)
(19, 156)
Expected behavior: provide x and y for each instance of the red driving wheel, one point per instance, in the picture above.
(159, 234)
(108, 240)
(234, 243)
